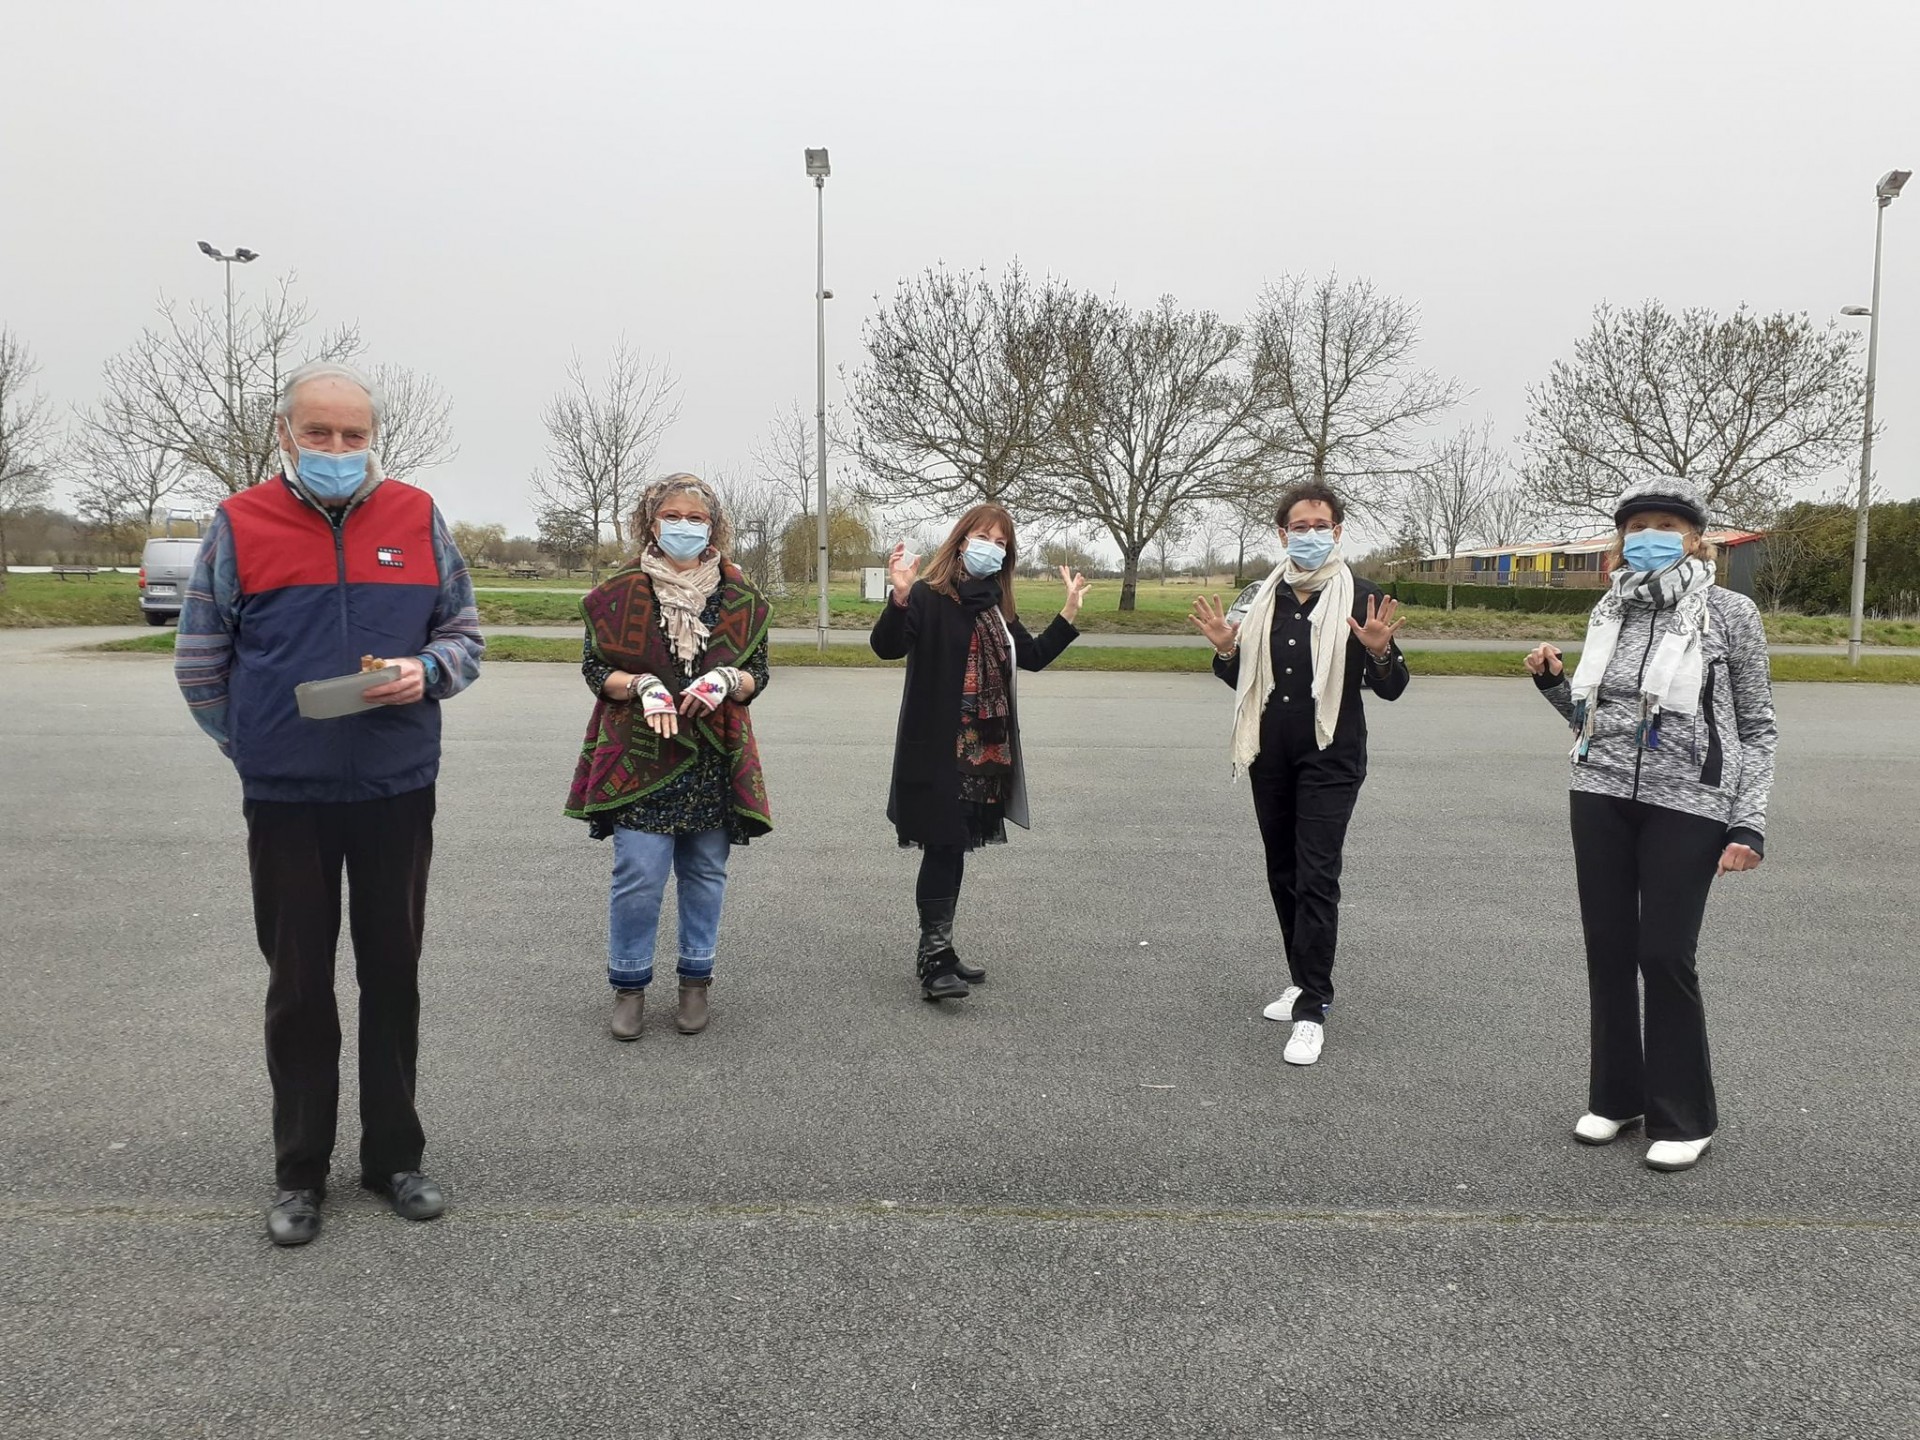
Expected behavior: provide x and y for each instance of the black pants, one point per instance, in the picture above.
(1644, 875)
(296, 853)
(1304, 799)
(942, 867)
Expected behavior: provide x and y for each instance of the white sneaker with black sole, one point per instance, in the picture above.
(1676, 1154)
(1282, 1009)
(1304, 1045)
(1592, 1129)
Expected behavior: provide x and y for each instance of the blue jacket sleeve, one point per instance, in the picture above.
(209, 617)
(454, 645)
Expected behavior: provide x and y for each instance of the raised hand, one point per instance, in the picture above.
(1544, 660)
(1211, 618)
(1382, 624)
(901, 569)
(1076, 584)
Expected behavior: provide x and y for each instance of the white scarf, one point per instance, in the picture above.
(1676, 669)
(681, 596)
(1334, 582)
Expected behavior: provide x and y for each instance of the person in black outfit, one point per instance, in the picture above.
(957, 773)
(1300, 732)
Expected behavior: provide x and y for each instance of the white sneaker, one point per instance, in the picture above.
(1677, 1154)
(1303, 1046)
(1282, 1009)
(1592, 1129)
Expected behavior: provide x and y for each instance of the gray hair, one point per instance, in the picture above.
(329, 370)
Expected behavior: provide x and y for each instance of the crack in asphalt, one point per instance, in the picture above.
(17, 1212)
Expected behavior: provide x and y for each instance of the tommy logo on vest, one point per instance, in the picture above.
(392, 555)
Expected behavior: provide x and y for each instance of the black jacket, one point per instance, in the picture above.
(933, 633)
(1291, 707)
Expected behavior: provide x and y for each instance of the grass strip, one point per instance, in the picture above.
(1181, 660)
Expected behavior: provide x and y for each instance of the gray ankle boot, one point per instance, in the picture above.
(629, 1011)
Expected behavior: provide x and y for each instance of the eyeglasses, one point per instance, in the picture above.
(1309, 527)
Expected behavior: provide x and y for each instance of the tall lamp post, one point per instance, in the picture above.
(817, 167)
(1883, 196)
(240, 256)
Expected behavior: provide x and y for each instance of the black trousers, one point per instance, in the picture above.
(1304, 799)
(942, 867)
(1644, 875)
(296, 853)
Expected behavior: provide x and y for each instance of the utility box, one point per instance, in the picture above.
(873, 583)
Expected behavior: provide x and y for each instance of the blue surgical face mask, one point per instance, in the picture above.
(1309, 550)
(983, 558)
(1649, 550)
(329, 478)
(685, 539)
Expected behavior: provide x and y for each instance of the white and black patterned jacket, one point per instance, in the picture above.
(1717, 762)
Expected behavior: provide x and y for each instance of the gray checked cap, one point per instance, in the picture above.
(1674, 494)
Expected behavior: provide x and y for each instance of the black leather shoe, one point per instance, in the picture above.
(412, 1195)
(295, 1217)
(972, 974)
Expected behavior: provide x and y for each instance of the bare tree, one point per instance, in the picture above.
(962, 388)
(1340, 395)
(1511, 515)
(27, 438)
(416, 426)
(1749, 407)
(1157, 422)
(1447, 497)
(760, 509)
(183, 389)
(786, 475)
(601, 440)
(479, 544)
(118, 481)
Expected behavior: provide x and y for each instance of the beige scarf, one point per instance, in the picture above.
(682, 595)
(1334, 582)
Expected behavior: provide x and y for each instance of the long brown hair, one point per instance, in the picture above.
(946, 568)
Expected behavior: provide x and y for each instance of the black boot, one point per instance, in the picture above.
(937, 965)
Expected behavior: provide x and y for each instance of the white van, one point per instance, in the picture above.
(165, 568)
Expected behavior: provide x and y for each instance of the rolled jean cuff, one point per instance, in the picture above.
(633, 979)
(695, 967)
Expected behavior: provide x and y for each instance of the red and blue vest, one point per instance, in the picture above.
(315, 596)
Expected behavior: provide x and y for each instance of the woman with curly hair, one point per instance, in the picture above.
(957, 774)
(676, 649)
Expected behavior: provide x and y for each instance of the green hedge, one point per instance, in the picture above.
(1531, 599)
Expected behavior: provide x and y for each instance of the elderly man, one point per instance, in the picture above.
(297, 579)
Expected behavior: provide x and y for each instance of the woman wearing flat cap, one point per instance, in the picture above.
(1672, 713)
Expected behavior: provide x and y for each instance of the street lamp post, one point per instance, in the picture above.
(817, 168)
(240, 256)
(1883, 196)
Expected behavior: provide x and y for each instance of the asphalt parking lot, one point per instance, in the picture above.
(1089, 1201)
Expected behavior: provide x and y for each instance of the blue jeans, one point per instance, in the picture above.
(641, 862)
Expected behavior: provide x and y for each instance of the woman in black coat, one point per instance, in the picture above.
(957, 773)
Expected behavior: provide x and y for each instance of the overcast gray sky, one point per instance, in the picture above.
(486, 187)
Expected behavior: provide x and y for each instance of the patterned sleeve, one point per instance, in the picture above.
(756, 666)
(454, 643)
(1748, 667)
(209, 616)
(592, 668)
